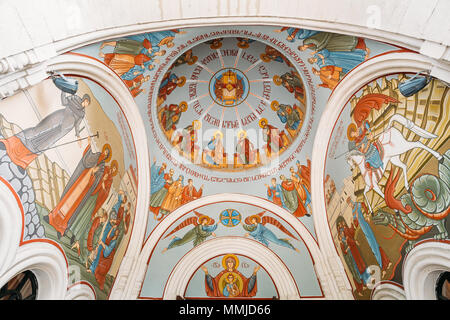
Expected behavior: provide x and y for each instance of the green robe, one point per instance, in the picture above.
(157, 198)
(331, 42)
(290, 199)
(198, 234)
(128, 46)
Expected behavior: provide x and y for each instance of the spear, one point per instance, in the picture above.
(373, 139)
(63, 144)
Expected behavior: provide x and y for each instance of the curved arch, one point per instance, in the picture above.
(81, 291)
(396, 62)
(91, 68)
(11, 224)
(377, 21)
(315, 253)
(48, 264)
(422, 268)
(189, 264)
(388, 291)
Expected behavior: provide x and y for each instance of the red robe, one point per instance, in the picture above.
(349, 233)
(330, 76)
(190, 194)
(278, 136)
(61, 214)
(167, 88)
(104, 264)
(247, 150)
(174, 110)
(135, 85)
(17, 152)
(121, 63)
(102, 192)
(275, 199)
(215, 292)
(90, 238)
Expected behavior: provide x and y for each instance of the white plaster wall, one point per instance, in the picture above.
(46, 28)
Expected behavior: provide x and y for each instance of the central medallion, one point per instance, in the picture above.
(229, 87)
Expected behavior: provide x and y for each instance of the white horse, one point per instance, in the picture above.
(394, 145)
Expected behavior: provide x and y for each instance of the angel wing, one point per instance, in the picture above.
(277, 224)
(200, 215)
(185, 223)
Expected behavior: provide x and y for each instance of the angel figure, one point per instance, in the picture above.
(256, 227)
(203, 228)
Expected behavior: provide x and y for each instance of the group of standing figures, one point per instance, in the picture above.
(332, 55)
(294, 191)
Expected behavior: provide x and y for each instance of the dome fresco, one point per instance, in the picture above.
(231, 109)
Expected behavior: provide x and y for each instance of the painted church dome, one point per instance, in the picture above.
(230, 104)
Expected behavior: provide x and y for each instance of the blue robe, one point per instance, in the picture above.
(264, 235)
(157, 181)
(106, 251)
(130, 74)
(301, 33)
(211, 146)
(154, 38)
(347, 60)
(227, 289)
(116, 206)
(367, 230)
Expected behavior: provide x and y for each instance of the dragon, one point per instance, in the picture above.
(424, 206)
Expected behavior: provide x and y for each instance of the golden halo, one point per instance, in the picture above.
(264, 57)
(201, 218)
(115, 164)
(277, 80)
(351, 127)
(218, 132)
(216, 46)
(107, 146)
(230, 274)
(224, 259)
(193, 60)
(183, 106)
(243, 44)
(263, 122)
(167, 41)
(274, 105)
(183, 81)
(237, 278)
(248, 220)
(196, 124)
(242, 131)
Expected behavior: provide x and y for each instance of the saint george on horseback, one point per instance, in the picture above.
(372, 154)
